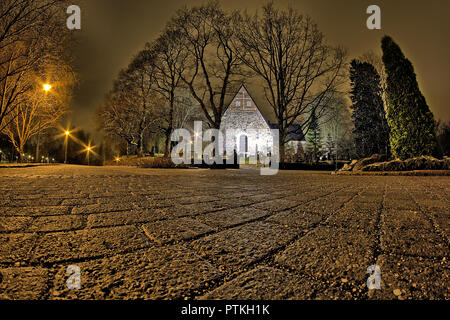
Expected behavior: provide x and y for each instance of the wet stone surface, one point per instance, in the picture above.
(221, 234)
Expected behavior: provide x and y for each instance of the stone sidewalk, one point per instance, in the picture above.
(214, 234)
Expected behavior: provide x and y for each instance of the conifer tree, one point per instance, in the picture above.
(371, 131)
(313, 138)
(412, 125)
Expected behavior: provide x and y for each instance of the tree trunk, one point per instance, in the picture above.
(170, 126)
(37, 147)
(140, 145)
(20, 150)
(167, 144)
(281, 147)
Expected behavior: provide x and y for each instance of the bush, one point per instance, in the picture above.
(366, 161)
(145, 162)
(418, 163)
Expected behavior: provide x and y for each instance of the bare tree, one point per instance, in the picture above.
(337, 125)
(212, 67)
(186, 109)
(37, 110)
(129, 109)
(31, 31)
(168, 57)
(116, 119)
(300, 71)
(138, 87)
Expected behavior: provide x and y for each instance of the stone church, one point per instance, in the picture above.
(245, 129)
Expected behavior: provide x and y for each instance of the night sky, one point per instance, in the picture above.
(114, 30)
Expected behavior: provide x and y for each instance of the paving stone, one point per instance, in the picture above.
(428, 204)
(364, 207)
(35, 211)
(405, 219)
(278, 204)
(238, 247)
(330, 253)
(416, 241)
(16, 248)
(195, 199)
(264, 283)
(297, 218)
(412, 277)
(441, 218)
(193, 209)
(175, 229)
(63, 246)
(28, 283)
(347, 217)
(13, 224)
(398, 204)
(232, 217)
(99, 208)
(55, 223)
(325, 205)
(123, 218)
(160, 273)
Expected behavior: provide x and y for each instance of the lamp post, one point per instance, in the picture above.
(46, 87)
(66, 143)
(88, 149)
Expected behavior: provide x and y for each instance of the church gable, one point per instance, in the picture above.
(243, 113)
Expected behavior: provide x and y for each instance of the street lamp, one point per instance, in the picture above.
(47, 87)
(66, 143)
(88, 149)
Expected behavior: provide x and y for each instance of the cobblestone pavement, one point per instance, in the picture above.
(213, 234)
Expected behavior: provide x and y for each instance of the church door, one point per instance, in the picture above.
(243, 144)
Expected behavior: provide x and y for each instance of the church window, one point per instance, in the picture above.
(238, 103)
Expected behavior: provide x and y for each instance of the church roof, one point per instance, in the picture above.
(295, 132)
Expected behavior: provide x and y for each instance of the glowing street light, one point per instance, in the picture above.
(47, 87)
(89, 150)
(66, 143)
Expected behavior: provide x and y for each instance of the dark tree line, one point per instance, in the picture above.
(391, 114)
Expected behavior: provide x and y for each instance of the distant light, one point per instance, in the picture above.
(47, 87)
(67, 133)
(89, 148)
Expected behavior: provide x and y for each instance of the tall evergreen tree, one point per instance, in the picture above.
(371, 131)
(412, 126)
(313, 138)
